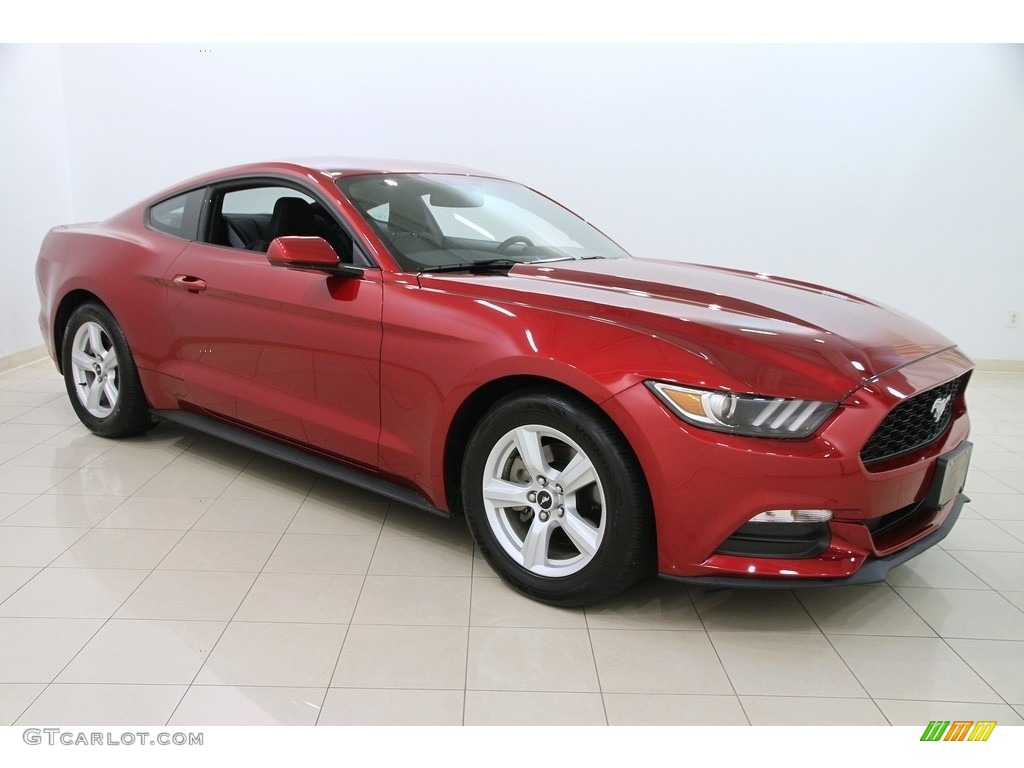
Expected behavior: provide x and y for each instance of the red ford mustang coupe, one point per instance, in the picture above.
(463, 344)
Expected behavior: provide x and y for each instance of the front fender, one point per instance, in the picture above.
(440, 348)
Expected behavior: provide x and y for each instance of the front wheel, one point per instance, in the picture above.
(556, 500)
(100, 375)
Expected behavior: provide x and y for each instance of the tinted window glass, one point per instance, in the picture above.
(178, 216)
(250, 218)
(437, 220)
(258, 200)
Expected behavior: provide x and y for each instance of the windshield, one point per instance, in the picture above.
(439, 220)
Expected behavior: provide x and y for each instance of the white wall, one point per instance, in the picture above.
(894, 172)
(35, 186)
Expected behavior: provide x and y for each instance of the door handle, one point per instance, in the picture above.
(189, 283)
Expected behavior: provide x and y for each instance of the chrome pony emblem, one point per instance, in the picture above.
(939, 407)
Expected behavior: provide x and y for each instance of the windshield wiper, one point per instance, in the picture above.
(484, 265)
(494, 265)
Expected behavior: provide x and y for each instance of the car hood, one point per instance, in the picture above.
(760, 333)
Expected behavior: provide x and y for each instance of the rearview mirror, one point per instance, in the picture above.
(310, 253)
(456, 198)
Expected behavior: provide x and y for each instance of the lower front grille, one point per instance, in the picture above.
(914, 423)
(777, 540)
(879, 526)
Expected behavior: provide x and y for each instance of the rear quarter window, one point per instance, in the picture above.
(178, 215)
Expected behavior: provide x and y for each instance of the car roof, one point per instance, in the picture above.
(342, 166)
(352, 166)
(331, 166)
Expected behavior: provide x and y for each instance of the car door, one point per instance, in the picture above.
(291, 353)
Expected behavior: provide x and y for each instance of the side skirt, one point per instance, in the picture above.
(300, 458)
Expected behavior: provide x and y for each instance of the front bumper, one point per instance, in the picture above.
(873, 570)
(705, 486)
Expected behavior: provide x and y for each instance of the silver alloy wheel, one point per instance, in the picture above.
(94, 369)
(544, 501)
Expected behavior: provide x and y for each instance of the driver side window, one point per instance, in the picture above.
(250, 218)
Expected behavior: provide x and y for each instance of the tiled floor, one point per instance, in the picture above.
(174, 579)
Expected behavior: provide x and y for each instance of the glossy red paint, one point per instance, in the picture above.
(383, 372)
(302, 252)
(703, 487)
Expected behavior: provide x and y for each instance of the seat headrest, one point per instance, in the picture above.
(292, 216)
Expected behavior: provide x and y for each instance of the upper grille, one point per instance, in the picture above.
(912, 423)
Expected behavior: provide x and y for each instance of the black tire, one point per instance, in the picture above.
(610, 515)
(118, 406)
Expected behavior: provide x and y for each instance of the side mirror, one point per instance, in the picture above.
(309, 253)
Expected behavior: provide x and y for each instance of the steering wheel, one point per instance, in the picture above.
(506, 244)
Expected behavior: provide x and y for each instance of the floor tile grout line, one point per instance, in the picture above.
(46, 687)
(721, 662)
(991, 588)
(597, 668)
(106, 621)
(1008, 533)
(227, 624)
(20, 453)
(50, 564)
(469, 635)
(976, 672)
(21, 507)
(846, 663)
(355, 607)
(945, 640)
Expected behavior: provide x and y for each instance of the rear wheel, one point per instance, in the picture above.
(100, 374)
(556, 500)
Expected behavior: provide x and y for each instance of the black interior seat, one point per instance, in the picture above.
(329, 229)
(292, 217)
(244, 230)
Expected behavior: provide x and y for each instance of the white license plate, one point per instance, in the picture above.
(951, 473)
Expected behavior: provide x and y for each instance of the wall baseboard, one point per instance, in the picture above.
(22, 358)
(999, 366)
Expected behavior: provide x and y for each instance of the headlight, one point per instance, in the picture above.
(744, 414)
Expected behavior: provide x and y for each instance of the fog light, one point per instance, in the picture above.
(793, 516)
